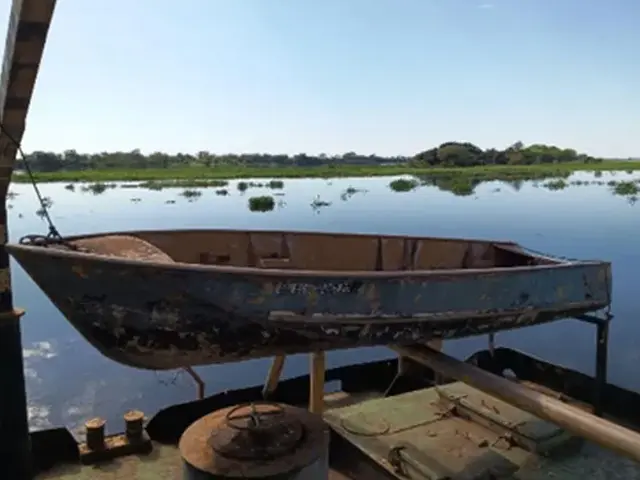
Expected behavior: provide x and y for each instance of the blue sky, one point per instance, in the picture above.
(372, 76)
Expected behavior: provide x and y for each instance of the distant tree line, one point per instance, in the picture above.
(454, 154)
(450, 154)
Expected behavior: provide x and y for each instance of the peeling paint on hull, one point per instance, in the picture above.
(159, 349)
(164, 317)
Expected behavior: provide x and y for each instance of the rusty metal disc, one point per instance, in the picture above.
(254, 441)
(257, 431)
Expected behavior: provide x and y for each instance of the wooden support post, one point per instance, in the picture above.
(316, 385)
(200, 385)
(26, 36)
(437, 346)
(403, 366)
(273, 377)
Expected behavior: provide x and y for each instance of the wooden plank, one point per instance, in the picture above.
(26, 38)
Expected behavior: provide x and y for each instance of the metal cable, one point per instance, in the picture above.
(53, 234)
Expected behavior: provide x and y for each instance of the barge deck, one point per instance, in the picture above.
(384, 427)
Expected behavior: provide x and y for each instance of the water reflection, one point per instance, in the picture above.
(621, 184)
(457, 184)
(462, 187)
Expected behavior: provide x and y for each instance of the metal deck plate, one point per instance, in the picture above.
(451, 431)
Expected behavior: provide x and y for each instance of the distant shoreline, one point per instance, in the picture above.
(487, 172)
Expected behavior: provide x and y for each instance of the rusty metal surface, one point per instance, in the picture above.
(257, 431)
(163, 463)
(162, 315)
(448, 443)
(222, 444)
(618, 403)
(598, 430)
(418, 430)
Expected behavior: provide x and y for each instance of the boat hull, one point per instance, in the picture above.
(161, 317)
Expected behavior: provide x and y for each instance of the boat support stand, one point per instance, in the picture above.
(317, 367)
(602, 356)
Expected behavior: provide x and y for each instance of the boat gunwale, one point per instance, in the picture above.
(258, 272)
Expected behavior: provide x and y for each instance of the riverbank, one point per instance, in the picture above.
(202, 173)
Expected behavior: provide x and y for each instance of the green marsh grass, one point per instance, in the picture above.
(201, 174)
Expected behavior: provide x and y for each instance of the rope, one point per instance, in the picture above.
(53, 234)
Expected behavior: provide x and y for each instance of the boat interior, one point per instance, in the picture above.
(307, 251)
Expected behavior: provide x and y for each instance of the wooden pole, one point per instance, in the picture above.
(273, 377)
(600, 431)
(26, 37)
(403, 366)
(436, 345)
(316, 386)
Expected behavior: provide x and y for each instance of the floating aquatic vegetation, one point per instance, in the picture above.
(191, 195)
(318, 203)
(404, 184)
(97, 188)
(264, 203)
(276, 184)
(558, 184)
(626, 189)
(162, 184)
(350, 192)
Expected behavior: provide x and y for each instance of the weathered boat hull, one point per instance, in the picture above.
(165, 316)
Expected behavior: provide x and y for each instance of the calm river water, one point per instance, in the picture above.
(68, 381)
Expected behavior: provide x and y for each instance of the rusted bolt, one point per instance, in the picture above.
(95, 433)
(133, 421)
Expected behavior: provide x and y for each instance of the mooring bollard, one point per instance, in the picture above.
(95, 433)
(133, 421)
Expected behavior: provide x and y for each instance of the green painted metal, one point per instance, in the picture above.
(453, 430)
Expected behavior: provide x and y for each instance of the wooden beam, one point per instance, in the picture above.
(273, 377)
(26, 36)
(316, 385)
